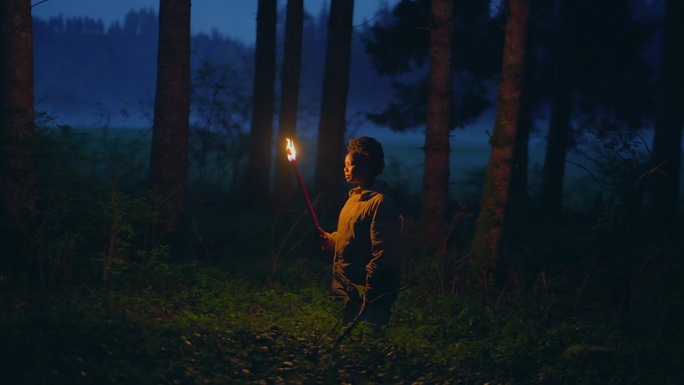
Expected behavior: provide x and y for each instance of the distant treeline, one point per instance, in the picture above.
(86, 73)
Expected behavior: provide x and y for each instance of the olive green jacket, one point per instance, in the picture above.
(366, 245)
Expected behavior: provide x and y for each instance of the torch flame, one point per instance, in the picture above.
(292, 157)
(291, 152)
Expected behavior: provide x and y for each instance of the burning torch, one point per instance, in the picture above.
(292, 158)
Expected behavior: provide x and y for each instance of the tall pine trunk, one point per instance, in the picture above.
(667, 151)
(438, 124)
(258, 177)
(558, 138)
(332, 125)
(17, 173)
(289, 95)
(168, 161)
(521, 155)
(484, 255)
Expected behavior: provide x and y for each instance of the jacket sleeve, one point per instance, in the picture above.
(330, 240)
(382, 271)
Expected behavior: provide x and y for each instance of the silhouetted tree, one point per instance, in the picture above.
(531, 95)
(667, 151)
(289, 94)
(398, 46)
(17, 173)
(600, 81)
(332, 125)
(169, 155)
(484, 255)
(558, 139)
(525, 124)
(220, 113)
(258, 178)
(438, 123)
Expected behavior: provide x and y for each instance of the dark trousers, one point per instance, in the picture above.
(377, 312)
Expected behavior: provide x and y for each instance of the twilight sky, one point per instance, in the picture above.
(235, 18)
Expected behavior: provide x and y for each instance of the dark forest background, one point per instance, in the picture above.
(107, 277)
(114, 69)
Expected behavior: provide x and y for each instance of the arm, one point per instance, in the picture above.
(326, 241)
(385, 254)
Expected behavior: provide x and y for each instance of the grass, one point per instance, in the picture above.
(198, 324)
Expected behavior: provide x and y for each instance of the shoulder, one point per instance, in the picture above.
(382, 192)
(383, 201)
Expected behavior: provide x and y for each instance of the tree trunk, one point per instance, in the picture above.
(521, 159)
(438, 124)
(667, 151)
(289, 95)
(486, 244)
(258, 176)
(520, 172)
(168, 161)
(17, 173)
(559, 125)
(332, 125)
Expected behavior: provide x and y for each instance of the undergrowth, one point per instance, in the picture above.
(242, 297)
(194, 323)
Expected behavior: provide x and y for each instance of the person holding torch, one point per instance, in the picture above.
(366, 256)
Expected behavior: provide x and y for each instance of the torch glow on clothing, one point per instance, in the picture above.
(292, 158)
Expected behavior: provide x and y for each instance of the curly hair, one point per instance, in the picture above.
(371, 149)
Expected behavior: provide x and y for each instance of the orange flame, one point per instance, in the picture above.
(291, 152)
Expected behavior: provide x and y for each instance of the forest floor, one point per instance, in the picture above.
(197, 324)
(601, 310)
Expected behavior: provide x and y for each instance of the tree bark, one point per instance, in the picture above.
(438, 124)
(17, 171)
(521, 156)
(559, 124)
(332, 125)
(486, 244)
(667, 151)
(258, 176)
(168, 161)
(289, 95)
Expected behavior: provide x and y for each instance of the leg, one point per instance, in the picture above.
(351, 308)
(378, 314)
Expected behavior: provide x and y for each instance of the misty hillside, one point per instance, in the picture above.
(86, 74)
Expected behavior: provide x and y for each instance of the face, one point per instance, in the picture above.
(355, 170)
